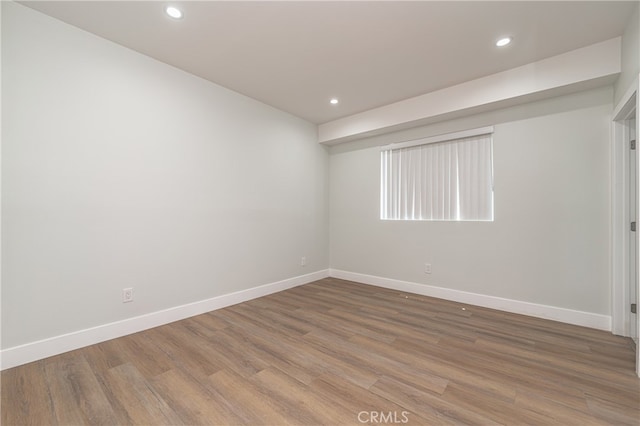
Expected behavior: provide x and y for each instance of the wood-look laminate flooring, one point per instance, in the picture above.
(335, 352)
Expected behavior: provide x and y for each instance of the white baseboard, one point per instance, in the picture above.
(23, 354)
(569, 316)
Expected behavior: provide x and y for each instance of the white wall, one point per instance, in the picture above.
(630, 56)
(121, 171)
(549, 243)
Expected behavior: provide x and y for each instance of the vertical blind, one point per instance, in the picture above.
(450, 180)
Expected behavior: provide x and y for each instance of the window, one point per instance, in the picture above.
(449, 177)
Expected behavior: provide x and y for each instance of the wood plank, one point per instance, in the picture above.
(76, 393)
(444, 368)
(320, 354)
(301, 404)
(192, 402)
(556, 410)
(427, 405)
(356, 400)
(184, 349)
(138, 399)
(496, 409)
(231, 349)
(25, 392)
(254, 404)
(324, 352)
(140, 350)
(380, 363)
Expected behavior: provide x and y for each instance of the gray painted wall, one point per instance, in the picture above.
(630, 56)
(120, 171)
(549, 243)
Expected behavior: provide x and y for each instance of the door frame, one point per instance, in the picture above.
(620, 220)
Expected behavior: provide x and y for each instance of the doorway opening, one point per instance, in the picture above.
(632, 178)
(625, 227)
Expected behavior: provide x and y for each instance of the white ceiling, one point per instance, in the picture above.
(295, 56)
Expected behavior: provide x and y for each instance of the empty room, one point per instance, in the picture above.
(319, 213)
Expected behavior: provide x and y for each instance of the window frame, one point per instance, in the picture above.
(459, 136)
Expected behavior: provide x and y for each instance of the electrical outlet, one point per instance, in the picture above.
(127, 295)
(303, 261)
(427, 268)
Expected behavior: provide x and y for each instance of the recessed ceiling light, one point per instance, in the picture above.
(503, 41)
(174, 12)
(333, 101)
